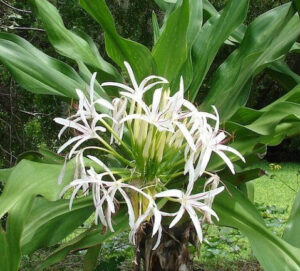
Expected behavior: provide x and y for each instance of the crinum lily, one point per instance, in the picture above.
(150, 146)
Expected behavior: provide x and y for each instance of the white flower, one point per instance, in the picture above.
(153, 115)
(153, 211)
(209, 140)
(87, 131)
(213, 182)
(86, 119)
(136, 93)
(190, 203)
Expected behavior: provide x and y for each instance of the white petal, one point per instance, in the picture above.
(77, 145)
(105, 103)
(119, 85)
(226, 160)
(202, 162)
(92, 86)
(156, 100)
(157, 221)
(131, 75)
(158, 238)
(230, 149)
(178, 217)
(101, 164)
(69, 142)
(73, 196)
(187, 135)
(170, 193)
(62, 172)
(195, 221)
(129, 207)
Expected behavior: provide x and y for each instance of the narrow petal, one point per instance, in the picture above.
(129, 208)
(226, 160)
(157, 221)
(230, 149)
(119, 85)
(131, 75)
(170, 193)
(195, 221)
(92, 87)
(69, 142)
(158, 238)
(178, 217)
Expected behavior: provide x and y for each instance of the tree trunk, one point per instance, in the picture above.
(171, 255)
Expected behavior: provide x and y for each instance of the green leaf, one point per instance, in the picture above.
(10, 255)
(242, 177)
(118, 48)
(50, 222)
(69, 44)
(170, 51)
(272, 252)
(36, 71)
(29, 179)
(195, 21)
(268, 38)
(292, 229)
(211, 37)
(90, 238)
(156, 31)
(5, 173)
(282, 73)
(90, 259)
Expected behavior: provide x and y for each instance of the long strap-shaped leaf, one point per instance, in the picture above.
(212, 36)
(118, 48)
(170, 51)
(269, 125)
(74, 46)
(10, 255)
(269, 37)
(90, 238)
(36, 71)
(50, 222)
(273, 253)
(291, 232)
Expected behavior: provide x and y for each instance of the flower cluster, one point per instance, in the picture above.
(155, 138)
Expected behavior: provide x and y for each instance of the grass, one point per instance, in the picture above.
(280, 187)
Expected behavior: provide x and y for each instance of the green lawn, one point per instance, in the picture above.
(279, 188)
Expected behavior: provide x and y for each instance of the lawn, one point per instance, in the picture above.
(223, 249)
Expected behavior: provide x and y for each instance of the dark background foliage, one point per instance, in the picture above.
(26, 119)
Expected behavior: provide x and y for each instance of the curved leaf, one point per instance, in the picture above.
(170, 51)
(10, 255)
(272, 252)
(90, 238)
(50, 222)
(69, 44)
(292, 229)
(118, 48)
(36, 71)
(268, 38)
(211, 37)
(29, 179)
